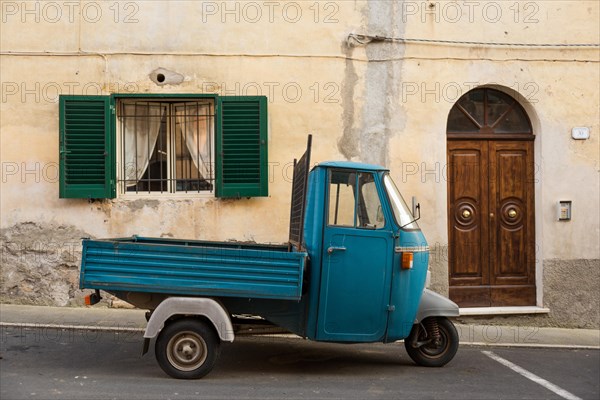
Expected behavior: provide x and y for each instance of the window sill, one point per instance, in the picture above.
(473, 311)
(165, 196)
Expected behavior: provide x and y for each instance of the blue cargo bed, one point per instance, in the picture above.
(190, 267)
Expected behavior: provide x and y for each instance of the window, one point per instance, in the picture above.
(166, 144)
(487, 112)
(342, 201)
(354, 208)
(403, 216)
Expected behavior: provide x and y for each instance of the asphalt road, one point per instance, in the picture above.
(69, 364)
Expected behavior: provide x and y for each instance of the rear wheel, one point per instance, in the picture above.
(187, 348)
(433, 342)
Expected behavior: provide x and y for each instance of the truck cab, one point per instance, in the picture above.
(368, 257)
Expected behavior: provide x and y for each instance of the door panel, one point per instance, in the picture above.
(354, 285)
(512, 247)
(467, 213)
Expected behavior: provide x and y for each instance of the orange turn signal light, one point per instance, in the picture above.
(407, 260)
(92, 298)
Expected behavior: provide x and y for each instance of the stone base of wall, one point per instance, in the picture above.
(571, 292)
(438, 265)
(40, 264)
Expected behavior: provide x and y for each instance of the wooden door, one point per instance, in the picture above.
(491, 214)
(491, 217)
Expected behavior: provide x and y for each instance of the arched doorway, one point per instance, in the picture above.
(491, 217)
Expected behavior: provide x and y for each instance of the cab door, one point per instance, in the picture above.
(357, 256)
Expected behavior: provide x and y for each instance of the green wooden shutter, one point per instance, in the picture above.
(87, 161)
(241, 147)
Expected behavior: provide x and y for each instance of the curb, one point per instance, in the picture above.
(71, 327)
(287, 336)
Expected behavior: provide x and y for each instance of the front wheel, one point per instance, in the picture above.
(433, 342)
(187, 348)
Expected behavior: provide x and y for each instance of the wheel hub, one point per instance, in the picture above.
(186, 351)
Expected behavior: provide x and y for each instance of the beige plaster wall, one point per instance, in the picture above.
(366, 100)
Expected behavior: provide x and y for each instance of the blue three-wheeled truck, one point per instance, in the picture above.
(354, 271)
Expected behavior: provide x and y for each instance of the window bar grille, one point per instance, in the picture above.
(135, 146)
(198, 147)
(122, 129)
(148, 168)
(160, 147)
(182, 169)
(210, 125)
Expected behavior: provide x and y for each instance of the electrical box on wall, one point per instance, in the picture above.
(564, 210)
(580, 133)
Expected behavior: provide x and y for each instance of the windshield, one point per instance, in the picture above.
(401, 211)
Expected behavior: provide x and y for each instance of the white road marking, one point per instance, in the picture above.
(533, 377)
(531, 345)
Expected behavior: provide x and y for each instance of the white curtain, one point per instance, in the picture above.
(141, 128)
(196, 126)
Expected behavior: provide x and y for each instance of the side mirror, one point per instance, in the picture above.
(415, 205)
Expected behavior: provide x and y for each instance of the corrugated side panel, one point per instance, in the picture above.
(183, 270)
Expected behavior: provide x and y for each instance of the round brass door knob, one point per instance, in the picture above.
(466, 214)
(512, 213)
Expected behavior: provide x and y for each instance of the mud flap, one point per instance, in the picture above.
(146, 346)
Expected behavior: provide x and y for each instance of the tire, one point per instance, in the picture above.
(430, 355)
(187, 348)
